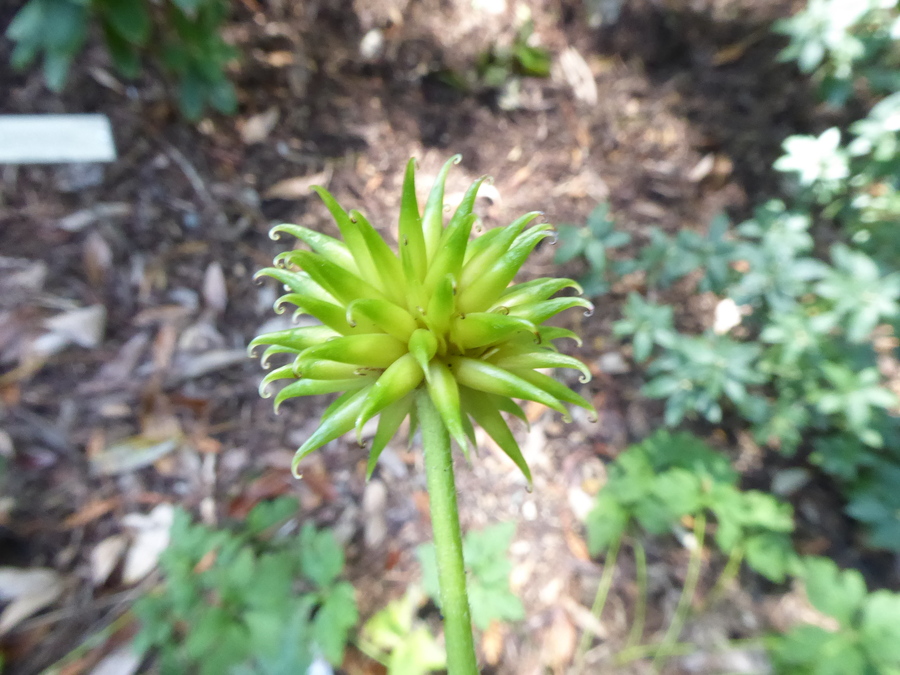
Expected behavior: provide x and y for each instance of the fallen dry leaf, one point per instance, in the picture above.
(215, 292)
(257, 127)
(105, 556)
(75, 222)
(131, 454)
(558, 644)
(298, 187)
(492, 643)
(150, 535)
(97, 258)
(29, 590)
(83, 327)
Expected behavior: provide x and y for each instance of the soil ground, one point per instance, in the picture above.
(687, 111)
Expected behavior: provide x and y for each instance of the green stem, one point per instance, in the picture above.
(609, 567)
(728, 575)
(447, 539)
(687, 593)
(640, 610)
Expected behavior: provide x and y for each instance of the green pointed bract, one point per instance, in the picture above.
(482, 329)
(333, 249)
(332, 315)
(389, 318)
(556, 389)
(539, 312)
(550, 333)
(444, 391)
(433, 216)
(389, 422)
(298, 282)
(435, 314)
(376, 350)
(412, 239)
(293, 338)
(494, 380)
(449, 257)
(487, 257)
(543, 359)
(480, 296)
(534, 291)
(351, 234)
(396, 382)
(386, 262)
(337, 422)
(482, 408)
(423, 345)
(340, 283)
(323, 369)
(304, 387)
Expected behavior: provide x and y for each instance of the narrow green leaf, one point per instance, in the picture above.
(323, 369)
(556, 389)
(441, 307)
(423, 346)
(451, 252)
(537, 290)
(481, 329)
(481, 407)
(293, 338)
(343, 285)
(329, 247)
(386, 262)
(376, 350)
(388, 423)
(389, 318)
(337, 422)
(412, 239)
(333, 316)
(351, 234)
(400, 378)
(444, 392)
(299, 282)
(539, 312)
(481, 294)
(282, 373)
(433, 216)
(544, 359)
(482, 261)
(487, 377)
(305, 387)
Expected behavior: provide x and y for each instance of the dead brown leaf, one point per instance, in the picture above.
(299, 186)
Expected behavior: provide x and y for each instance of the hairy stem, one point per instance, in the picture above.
(447, 539)
(687, 593)
(640, 610)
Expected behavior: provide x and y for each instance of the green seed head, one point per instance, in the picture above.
(439, 315)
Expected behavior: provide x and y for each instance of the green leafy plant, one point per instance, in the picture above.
(495, 67)
(398, 639)
(184, 34)
(435, 333)
(666, 478)
(694, 373)
(865, 639)
(647, 324)
(247, 600)
(488, 568)
(591, 242)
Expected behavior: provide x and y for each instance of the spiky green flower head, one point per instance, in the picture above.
(440, 315)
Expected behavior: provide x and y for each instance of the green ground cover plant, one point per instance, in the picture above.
(248, 600)
(184, 37)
